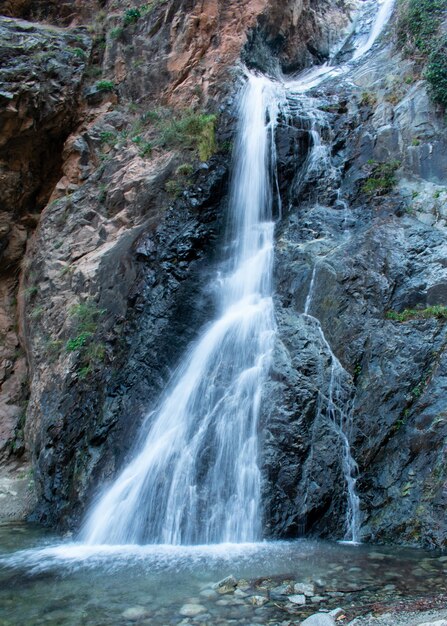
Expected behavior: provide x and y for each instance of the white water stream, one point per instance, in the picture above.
(195, 478)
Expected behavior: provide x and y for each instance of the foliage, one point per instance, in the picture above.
(191, 130)
(381, 179)
(437, 311)
(105, 85)
(173, 188)
(418, 23)
(131, 16)
(86, 316)
(185, 169)
(436, 73)
(148, 8)
(418, 30)
(115, 33)
(107, 136)
(80, 53)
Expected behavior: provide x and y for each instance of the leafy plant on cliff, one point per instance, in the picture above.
(191, 130)
(86, 316)
(381, 179)
(131, 16)
(105, 85)
(436, 73)
(419, 34)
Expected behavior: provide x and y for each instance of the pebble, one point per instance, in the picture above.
(317, 599)
(135, 613)
(335, 613)
(282, 590)
(308, 589)
(297, 599)
(258, 600)
(319, 619)
(439, 622)
(191, 610)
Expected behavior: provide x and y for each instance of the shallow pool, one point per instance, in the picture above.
(46, 580)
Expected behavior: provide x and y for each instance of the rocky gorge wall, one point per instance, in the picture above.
(122, 222)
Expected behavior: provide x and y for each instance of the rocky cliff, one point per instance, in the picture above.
(116, 142)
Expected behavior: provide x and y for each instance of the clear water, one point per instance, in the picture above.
(69, 585)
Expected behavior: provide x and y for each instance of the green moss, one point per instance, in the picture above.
(437, 311)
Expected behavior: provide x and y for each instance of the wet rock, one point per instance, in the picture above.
(226, 585)
(258, 600)
(308, 589)
(319, 619)
(135, 613)
(297, 599)
(191, 610)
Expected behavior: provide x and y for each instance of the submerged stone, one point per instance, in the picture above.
(191, 610)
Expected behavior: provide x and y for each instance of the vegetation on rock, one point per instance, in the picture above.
(438, 311)
(419, 34)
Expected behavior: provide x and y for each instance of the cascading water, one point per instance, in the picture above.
(196, 477)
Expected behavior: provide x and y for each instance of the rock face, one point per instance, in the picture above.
(40, 78)
(362, 253)
(122, 225)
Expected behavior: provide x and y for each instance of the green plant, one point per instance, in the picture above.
(381, 179)
(31, 291)
(418, 23)
(145, 149)
(191, 130)
(115, 33)
(438, 311)
(36, 312)
(86, 316)
(173, 188)
(436, 73)
(419, 26)
(105, 85)
(107, 136)
(131, 16)
(80, 53)
(185, 169)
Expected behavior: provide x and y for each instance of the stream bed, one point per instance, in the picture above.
(48, 580)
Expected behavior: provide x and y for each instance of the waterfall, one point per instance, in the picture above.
(196, 479)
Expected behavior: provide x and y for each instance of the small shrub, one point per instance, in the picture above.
(79, 53)
(131, 16)
(186, 169)
(145, 149)
(173, 188)
(107, 136)
(382, 178)
(115, 33)
(78, 342)
(191, 130)
(105, 85)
